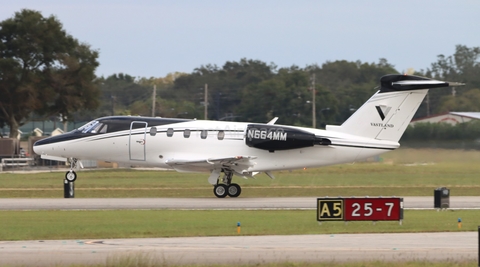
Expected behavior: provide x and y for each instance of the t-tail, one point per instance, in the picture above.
(386, 115)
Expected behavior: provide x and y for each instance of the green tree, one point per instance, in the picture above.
(462, 66)
(257, 91)
(288, 96)
(43, 70)
(119, 92)
(166, 103)
(426, 131)
(349, 83)
(468, 101)
(225, 85)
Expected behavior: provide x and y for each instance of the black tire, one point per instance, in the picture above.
(234, 190)
(71, 176)
(220, 190)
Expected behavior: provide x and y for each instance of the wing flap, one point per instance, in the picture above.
(239, 164)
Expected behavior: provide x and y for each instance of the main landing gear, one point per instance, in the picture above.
(226, 187)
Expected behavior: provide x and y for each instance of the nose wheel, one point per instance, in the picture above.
(71, 176)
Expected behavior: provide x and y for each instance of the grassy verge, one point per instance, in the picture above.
(372, 179)
(404, 172)
(33, 225)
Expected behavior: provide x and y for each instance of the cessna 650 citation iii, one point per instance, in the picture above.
(244, 149)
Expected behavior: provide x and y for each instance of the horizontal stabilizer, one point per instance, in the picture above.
(391, 83)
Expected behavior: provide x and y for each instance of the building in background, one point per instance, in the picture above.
(452, 118)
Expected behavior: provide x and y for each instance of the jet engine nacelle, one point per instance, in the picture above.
(272, 137)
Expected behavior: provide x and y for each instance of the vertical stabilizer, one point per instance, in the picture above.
(386, 115)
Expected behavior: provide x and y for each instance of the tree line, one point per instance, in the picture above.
(252, 90)
(45, 72)
(426, 131)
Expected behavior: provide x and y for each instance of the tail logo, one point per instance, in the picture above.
(383, 111)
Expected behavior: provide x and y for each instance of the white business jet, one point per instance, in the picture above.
(240, 148)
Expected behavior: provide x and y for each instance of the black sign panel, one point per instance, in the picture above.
(330, 209)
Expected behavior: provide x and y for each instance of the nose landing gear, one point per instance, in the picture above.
(71, 175)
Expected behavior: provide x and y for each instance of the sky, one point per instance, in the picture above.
(148, 38)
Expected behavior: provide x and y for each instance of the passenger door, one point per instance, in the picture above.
(137, 140)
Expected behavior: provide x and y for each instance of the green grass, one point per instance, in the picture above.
(33, 225)
(404, 172)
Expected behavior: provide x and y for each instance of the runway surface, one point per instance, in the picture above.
(246, 249)
(202, 203)
(455, 246)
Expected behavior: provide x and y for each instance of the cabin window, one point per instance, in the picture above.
(117, 126)
(138, 125)
(186, 133)
(221, 135)
(153, 131)
(170, 132)
(204, 134)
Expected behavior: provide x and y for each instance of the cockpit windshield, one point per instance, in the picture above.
(122, 123)
(93, 127)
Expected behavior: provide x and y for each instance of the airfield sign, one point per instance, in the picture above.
(360, 209)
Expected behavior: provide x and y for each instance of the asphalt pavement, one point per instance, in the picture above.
(203, 203)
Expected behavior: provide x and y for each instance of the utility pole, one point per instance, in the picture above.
(153, 99)
(113, 98)
(314, 112)
(65, 124)
(206, 102)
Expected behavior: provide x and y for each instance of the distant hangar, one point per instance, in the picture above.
(452, 118)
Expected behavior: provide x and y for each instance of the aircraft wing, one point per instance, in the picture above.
(239, 164)
(48, 157)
